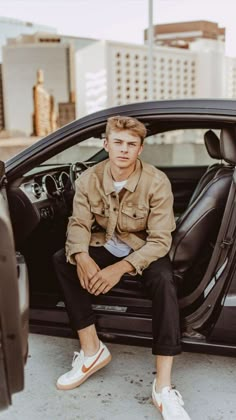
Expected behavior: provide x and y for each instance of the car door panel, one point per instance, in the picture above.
(13, 306)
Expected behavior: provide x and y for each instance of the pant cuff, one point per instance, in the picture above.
(84, 324)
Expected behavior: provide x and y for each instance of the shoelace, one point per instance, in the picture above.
(176, 400)
(76, 358)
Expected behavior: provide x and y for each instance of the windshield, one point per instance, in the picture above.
(78, 152)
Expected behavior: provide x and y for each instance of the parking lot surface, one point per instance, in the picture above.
(122, 390)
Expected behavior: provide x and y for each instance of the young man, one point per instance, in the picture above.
(121, 223)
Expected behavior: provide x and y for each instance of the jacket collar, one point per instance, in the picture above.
(132, 180)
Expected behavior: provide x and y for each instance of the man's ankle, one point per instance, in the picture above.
(160, 385)
(91, 350)
(89, 341)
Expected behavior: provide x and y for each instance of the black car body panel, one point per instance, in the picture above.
(14, 306)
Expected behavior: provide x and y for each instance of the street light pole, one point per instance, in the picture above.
(150, 49)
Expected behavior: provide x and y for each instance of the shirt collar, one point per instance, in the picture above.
(131, 182)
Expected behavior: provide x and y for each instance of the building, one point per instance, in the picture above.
(2, 125)
(182, 34)
(44, 116)
(230, 80)
(12, 28)
(66, 113)
(22, 58)
(112, 73)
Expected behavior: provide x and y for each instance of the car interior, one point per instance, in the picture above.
(40, 202)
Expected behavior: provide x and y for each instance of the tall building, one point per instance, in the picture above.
(112, 73)
(230, 80)
(182, 34)
(11, 28)
(22, 58)
(44, 116)
(2, 125)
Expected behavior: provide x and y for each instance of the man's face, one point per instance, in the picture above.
(123, 148)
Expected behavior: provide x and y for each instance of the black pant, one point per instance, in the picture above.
(158, 281)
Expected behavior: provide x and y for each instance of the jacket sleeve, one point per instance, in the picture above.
(80, 223)
(160, 224)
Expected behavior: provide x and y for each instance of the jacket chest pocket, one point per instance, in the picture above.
(134, 218)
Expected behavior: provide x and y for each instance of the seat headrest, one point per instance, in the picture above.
(212, 143)
(228, 144)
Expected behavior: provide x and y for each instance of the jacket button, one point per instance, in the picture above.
(97, 242)
(134, 215)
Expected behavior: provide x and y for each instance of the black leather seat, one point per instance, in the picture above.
(212, 143)
(197, 228)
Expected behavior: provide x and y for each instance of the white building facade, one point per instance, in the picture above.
(11, 28)
(20, 65)
(22, 58)
(112, 73)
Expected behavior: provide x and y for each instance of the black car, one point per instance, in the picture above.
(194, 143)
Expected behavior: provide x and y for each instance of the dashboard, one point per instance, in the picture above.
(44, 195)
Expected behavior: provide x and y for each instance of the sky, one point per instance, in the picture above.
(121, 20)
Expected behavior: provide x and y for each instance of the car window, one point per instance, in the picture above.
(173, 148)
(177, 148)
(78, 152)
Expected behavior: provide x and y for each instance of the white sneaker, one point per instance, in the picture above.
(83, 367)
(170, 403)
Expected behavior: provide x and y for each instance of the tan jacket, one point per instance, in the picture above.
(143, 217)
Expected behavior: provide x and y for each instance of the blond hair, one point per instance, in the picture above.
(119, 123)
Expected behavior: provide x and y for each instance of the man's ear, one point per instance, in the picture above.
(105, 144)
(140, 150)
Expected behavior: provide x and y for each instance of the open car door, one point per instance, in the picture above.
(13, 306)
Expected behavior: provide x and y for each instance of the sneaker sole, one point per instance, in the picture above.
(86, 376)
(156, 405)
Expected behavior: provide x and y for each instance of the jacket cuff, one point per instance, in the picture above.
(133, 260)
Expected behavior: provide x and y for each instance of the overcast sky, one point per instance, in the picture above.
(122, 20)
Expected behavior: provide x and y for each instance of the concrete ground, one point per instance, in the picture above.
(122, 390)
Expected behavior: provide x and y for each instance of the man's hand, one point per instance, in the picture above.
(86, 268)
(108, 277)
